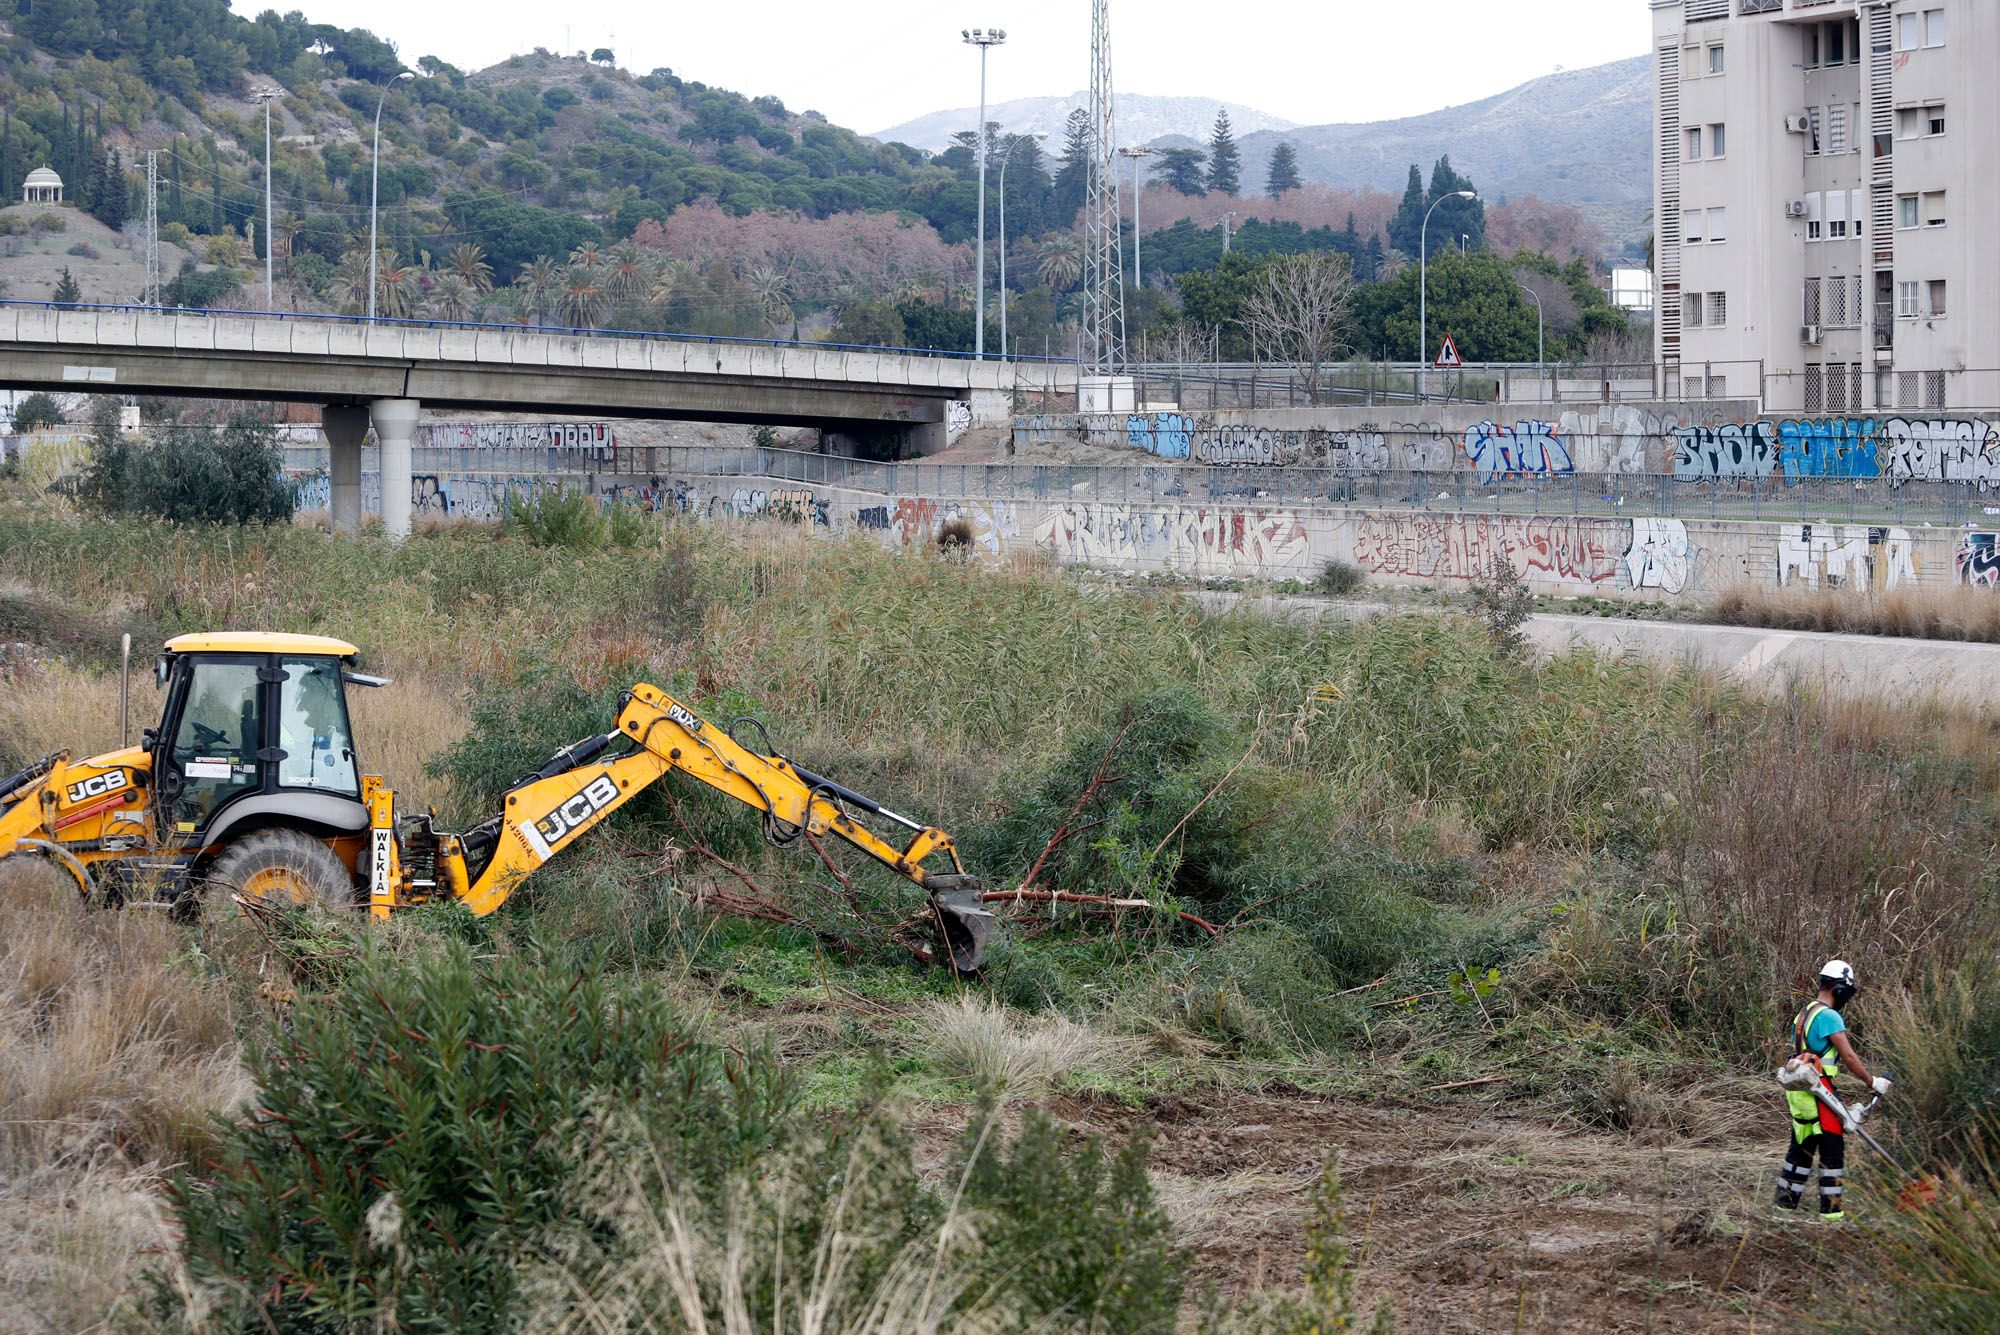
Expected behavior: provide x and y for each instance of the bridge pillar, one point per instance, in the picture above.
(345, 425)
(395, 433)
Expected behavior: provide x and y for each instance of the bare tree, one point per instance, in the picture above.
(1298, 311)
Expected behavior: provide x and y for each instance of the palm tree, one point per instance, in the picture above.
(398, 287)
(673, 278)
(589, 255)
(581, 297)
(540, 279)
(350, 282)
(627, 272)
(285, 233)
(453, 297)
(773, 291)
(1060, 261)
(468, 261)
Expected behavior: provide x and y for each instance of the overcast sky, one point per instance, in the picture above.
(872, 65)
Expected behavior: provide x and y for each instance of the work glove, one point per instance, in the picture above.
(1882, 1085)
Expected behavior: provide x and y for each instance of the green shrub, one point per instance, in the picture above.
(1072, 1233)
(557, 517)
(414, 1132)
(36, 412)
(1339, 578)
(191, 473)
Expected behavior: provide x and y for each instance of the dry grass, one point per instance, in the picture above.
(1013, 1055)
(1926, 612)
(49, 706)
(114, 1062)
(399, 728)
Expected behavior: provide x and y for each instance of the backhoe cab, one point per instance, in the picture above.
(250, 787)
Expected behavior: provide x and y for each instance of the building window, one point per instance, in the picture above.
(1691, 308)
(1715, 60)
(1692, 151)
(1920, 122)
(1907, 295)
(1814, 306)
(1933, 27)
(1836, 215)
(1718, 142)
(1815, 388)
(1858, 208)
(1934, 208)
(1934, 389)
(1815, 218)
(1691, 229)
(1908, 27)
(1815, 118)
(1836, 129)
(1836, 387)
(1836, 302)
(1718, 224)
(1834, 43)
(1936, 301)
(1906, 389)
(1718, 308)
(1906, 211)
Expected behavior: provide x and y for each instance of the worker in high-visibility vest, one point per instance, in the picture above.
(1819, 1038)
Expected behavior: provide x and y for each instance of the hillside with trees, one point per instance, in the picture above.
(563, 190)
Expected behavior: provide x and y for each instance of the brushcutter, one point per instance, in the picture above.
(1920, 1190)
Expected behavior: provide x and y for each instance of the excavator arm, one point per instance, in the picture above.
(583, 785)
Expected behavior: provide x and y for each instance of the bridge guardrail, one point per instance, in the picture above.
(362, 322)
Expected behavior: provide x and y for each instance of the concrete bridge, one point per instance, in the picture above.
(384, 373)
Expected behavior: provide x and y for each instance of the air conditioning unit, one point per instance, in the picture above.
(1795, 208)
(1810, 335)
(1797, 124)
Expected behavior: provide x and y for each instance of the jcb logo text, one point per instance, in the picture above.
(97, 787)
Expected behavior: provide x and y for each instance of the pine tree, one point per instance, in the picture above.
(68, 291)
(1455, 218)
(10, 179)
(1072, 186)
(108, 207)
(1225, 160)
(1372, 258)
(1284, 173)
(1180, 169)
(1409, 219)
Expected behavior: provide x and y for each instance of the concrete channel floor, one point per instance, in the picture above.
(1872, 665)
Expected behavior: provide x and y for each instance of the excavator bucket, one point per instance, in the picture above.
(964, 923)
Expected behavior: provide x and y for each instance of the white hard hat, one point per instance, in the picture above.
(1838, 969)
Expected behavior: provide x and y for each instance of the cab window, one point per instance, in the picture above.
(313, 729)
(215, 747)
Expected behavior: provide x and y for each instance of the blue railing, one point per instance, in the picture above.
(560, 331)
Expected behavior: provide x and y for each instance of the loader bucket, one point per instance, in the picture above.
(964, 925)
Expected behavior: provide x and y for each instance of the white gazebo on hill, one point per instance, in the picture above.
(42, 187)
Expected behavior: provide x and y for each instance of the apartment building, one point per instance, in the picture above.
(1827, 202)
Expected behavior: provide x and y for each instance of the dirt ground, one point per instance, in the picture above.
(1468, 1221)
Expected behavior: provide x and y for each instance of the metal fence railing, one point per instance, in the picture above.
(1769, 499)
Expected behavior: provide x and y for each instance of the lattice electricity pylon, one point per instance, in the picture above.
(152, 227)
(1104, 259)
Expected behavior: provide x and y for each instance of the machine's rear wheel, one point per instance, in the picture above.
(284, 869)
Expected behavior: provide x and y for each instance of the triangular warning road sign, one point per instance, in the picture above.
(1448, 354)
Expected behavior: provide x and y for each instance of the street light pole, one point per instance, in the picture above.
(1424, 291)
(1006, 158)
(267, 97)
(985, 39)
(1138, 274)
(375, 186)
(1541, 360)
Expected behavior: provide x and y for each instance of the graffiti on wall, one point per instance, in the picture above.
(1620, 438)
(654, 496)
(1900, 449)
(1979, 560)
(1589, 552)
(432, 495)
(957, 420)
(1367, 449)
(572, 442)
(1526, 449)
(787, 505)
(1192, 540)
(1168, 435)
(1659, 557)
(1846, 556)
(919, 521)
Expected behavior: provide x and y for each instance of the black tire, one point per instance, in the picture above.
(284, 869)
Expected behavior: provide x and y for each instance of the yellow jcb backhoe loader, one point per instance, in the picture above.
(250, 786)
